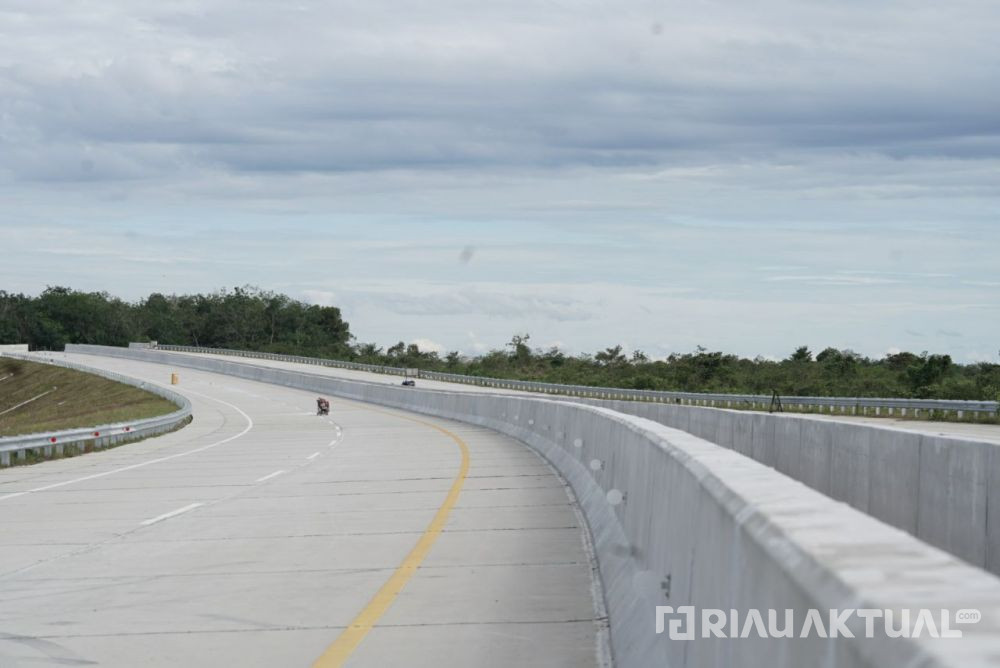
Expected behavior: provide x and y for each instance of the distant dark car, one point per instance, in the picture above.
(409, 382)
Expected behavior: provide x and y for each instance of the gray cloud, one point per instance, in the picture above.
(121, 92)
(497, 303)
(743, 175)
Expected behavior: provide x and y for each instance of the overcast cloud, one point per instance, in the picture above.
(749, 176)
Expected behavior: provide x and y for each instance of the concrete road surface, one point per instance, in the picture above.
(263, 535)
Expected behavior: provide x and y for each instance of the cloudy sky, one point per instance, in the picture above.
(747, 176)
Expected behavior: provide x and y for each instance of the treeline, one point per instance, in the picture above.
(252, 319)
(831, 372)
(245, 318)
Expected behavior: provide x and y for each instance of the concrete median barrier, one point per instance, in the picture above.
(679, 521)
(935, 488)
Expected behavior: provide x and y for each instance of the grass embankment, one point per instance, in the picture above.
(59, 398)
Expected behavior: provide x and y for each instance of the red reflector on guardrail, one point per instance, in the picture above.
(52, 440)
(96, 434)
(128, 428)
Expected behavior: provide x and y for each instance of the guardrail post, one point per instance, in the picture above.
(4, 459)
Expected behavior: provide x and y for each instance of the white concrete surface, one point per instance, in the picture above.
(940, 488)
(256, 534)
(723, 530)
(931, 479)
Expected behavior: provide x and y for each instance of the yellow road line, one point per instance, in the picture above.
(349, 639)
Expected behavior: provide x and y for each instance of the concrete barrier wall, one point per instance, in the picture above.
(703, 526)
(842, 405)
(13, 348)
(936, 488)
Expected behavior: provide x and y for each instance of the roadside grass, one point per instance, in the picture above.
(56, 398)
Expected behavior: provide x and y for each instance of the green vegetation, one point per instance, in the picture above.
(830, 373)
(245, 318)
(252, 319)
(59, 398)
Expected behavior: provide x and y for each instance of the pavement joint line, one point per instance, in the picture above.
(148, 462)
(269, 476)
(172, 513)
(429, 477)
(149, 487)
(351, 637)
(343, 534)
(321, 627)
(395, 510)
(303, 571)
(323, 495)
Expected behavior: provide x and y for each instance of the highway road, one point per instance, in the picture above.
(264, 535)
(353, 374)
(979, 432)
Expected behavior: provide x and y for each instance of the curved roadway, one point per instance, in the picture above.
(263, 535)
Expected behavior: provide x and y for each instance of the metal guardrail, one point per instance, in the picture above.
(762, 401)
(338, 364)
(851, 405)
(101, 436)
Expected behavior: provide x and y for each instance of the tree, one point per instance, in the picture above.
(14, 317)
(802, 354)
(829, 355)
(927, 371)
(901, 361)
(244, 317)
(554, 357)
(368, 352)
(520, 352)
(161, 319)
(610, 356)
(250, 318)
